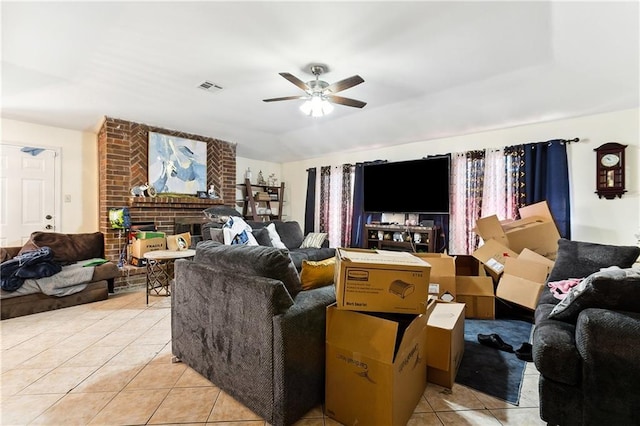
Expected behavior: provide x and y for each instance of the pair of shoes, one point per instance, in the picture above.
(494, 341)
(525, 352)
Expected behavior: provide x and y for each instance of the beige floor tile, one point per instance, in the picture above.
(242, 423)
(129, 408)
(309, 422)
(75, 409)
(157, 376)
(109, 378)
(13, 381)
(165, 356)
(458, 398)
(191, 378)
(51, 358)
(228, 409)
(423, 406)
(116, 338)
(490, 402)
(529, 396)
(424, 419)
(315, 412)
(59, 380)
(468, 417)
(22, 409)
(331, 422)
(186, 405)
(93, 356)
(519, 417)
(136, 354)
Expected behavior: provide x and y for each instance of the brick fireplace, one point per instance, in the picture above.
(123, 163)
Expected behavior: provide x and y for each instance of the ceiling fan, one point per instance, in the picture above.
(320, 94)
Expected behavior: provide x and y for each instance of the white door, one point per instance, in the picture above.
(27, 193)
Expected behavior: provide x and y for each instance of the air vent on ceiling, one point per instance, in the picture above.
(209, 86)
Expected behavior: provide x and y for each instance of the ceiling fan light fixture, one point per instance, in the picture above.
(316, 106)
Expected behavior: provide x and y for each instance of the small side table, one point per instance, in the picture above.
(160, 269)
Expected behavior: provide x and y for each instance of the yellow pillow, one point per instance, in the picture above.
(317, 273)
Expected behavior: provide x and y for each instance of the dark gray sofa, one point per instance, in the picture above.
(587, 349)
(239, 318)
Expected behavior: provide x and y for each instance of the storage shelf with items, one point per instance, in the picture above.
(401, 238)
(261, 202)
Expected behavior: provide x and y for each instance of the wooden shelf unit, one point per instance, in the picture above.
(251, 206)
(426, 243)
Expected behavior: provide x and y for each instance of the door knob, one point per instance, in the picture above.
(48, 217)
(48, 227)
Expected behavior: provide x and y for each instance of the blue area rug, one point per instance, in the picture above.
(492, 371)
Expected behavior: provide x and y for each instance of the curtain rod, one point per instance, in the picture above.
(571, 140)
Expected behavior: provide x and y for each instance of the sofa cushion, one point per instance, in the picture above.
(262, 237)
(554, 351)
(613, 288)
(290, 233)
(67, 247)
(317, 273)
(268, 262)
(314, 240)
(577, 259)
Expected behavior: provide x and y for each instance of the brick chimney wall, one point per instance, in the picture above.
(123, 163)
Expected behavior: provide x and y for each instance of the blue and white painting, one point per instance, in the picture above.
(176, 164)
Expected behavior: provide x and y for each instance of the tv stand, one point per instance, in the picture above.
(400, 237)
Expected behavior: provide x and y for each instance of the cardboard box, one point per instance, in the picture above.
(135, 261)
(477, 295)
(368, 381)
(522, 282)
(139, 247)
(493, 255)
(147, 235)
(442, 277)
(179, 242)
(381, 281)
(536, 230)
(532, 256)
(445, 343)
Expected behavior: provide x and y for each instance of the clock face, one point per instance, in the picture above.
(610, 160)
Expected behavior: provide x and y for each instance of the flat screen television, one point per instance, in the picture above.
(415, 186)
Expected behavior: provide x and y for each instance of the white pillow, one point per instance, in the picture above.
(275, 238)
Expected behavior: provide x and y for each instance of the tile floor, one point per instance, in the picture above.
(109, 363)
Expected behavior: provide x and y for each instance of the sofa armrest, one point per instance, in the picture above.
(607, 342)
(222, 327)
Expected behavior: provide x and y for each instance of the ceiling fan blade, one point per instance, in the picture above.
(346, 101)
(286, 98)
(341, 85)
(295, 80)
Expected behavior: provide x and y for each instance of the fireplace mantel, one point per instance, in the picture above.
(173, 202)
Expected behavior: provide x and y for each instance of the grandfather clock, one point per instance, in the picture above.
(610, 170)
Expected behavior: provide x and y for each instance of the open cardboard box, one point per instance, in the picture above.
(381, 281)
(368, 380)
(536, 230)
(477, 295)
(445, 342)
(493, 255)
(522, 282)
(442, 277)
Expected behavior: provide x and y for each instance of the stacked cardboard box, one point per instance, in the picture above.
(376, 337)
(519, 254)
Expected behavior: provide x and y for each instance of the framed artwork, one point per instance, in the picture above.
(177, 165)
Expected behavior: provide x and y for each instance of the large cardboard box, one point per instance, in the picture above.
(532, 256)
(493, 255)
(368, 381)
(381, 281)
(477, 295)
(536, 230)
(139, 247)
(445, 343)
(522, 282)
(179, 242)
(442, 276)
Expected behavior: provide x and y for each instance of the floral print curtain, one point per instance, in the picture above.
(466, 200)
(336, 203)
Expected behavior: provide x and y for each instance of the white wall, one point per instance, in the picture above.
(593, 219)
(79, 159)
(256, 166)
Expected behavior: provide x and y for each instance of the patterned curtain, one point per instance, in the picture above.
(325, 192)
(466, 200)
(494, 200)
(514, 165)
(335, 201)
(346, 210)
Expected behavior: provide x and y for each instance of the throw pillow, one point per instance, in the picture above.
(275, 238)
(290, 233)
(314, 240)
(268, 262)
(67, 247)
(262, 237)
(317, 273)
(612, 288)
(577, 259)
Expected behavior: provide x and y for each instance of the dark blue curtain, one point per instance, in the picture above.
(360, 217)
(310, 205)
(546, 177)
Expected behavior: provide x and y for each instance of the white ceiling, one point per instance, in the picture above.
(431, 69)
